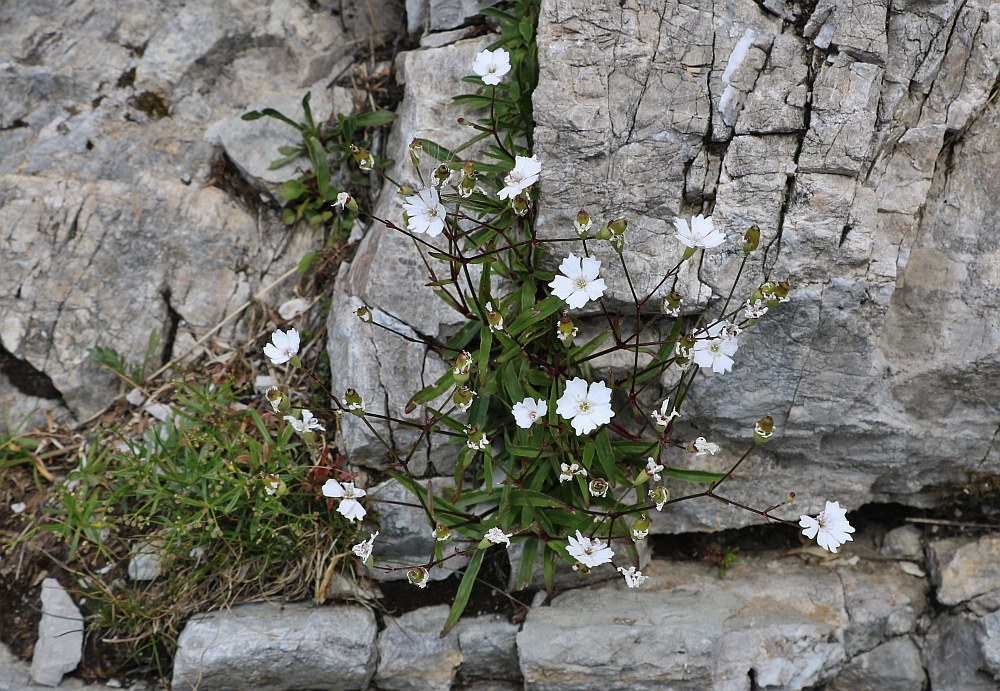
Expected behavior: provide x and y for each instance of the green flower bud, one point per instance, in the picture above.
(604, 233)
(416, 149)
(463, 398)
(751, 239)
(356, 406)
(583, 224)
(671, 305)
(763, 430)
(418, 576)
(659, 496)
(364, 314)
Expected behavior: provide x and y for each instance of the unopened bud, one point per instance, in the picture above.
(583, 224)
(463, 398)
(416, 149)
(763, 430)
(566, 330)
(364, 314)
(751, 239)
(406, 191)
(640, 529)
(363, 157)
(356, 406)
(789, 498)
(463, 363)
(604, 233)
(659, 496)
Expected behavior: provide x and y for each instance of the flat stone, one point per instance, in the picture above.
(904, 542)
(274, 648)
(892, 666)
(962, 569)
(413, 656)
(489, 649)
(60, 636)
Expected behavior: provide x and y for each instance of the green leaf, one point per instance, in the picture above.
(605, 457)
(436, 151)
(527, 564)
(321, 164)
(543, 309)
(464, 591)
(272, 113)
(693, 475)
(504, 17)
(307, 110)
(429, 393)
(306, 262)
(375, 118)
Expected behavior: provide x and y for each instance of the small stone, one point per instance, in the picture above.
(145, 563)
(60, 636)
(293, 308)
(413, 656)
(905, 542)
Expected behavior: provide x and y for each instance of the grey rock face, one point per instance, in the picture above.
(489, 649)
(892, 666)
(111, 224)
(60, 636)
(962, 569)
(905, 542)
(960, 653)
(275, 648)
(411, 655)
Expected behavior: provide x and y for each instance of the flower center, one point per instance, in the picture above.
(583, 406)
(581, 283)
(715, 347)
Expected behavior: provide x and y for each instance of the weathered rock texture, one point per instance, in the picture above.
(60, 636)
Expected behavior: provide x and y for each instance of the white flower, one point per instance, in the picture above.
(307, 424)
(633, 578)
(350, 507)
(755, 309)
(570, 470)
(524, 175)
(718, 349)
(661, 418)
(364, 548)
(653, 469)
(830, 528)
(425, 213)
(496, 536)
(527, 412)
(271, 484)
(587, 408)
(704, 447)
(589, 552)
(701, 233)
(578, 283)
(342, 200)
(491, 65)
(283, 346)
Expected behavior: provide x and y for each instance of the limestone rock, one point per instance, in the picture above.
(272, 648)
(686, 629)
(960, 653)
(884, 603)
(892, 666)
(412, 656)
(962, 569)
(60, 636)
(905, 542)
(489, 649)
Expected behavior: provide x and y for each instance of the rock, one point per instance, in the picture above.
(892, 666)
(14, 674)
(449, 14)
(145, 562)
(905, 542)
(489, 649)
(962, 569)
(412, 656)
(273, 648)
(883, 601)
(780, 624)
(955, 656)
(405, 534)
(60, 636)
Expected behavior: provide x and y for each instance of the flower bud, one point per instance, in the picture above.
(598, 487)
(640, 529)
(274, 486)
(442, 533)
(618, 226)
(418, 576)
(566, 331)
(671, 305)
(463, 398)
(604, 233)
(416, 149)
(363, 157)
(467, 180)
(364, 314)
(583, 224)
(279, 401)
(463, 363)
(751, 239)
(659, 496)
(789, 498)
(475, 438)
(405, 191)
(763, 430)
(355, 405)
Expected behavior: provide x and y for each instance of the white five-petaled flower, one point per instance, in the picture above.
(704, 447)
(497, 536)
(364, 548)
(307, 424)
(425, 213)
(717, 350)
(661, 418)
(491, 65)
(578, 283)
(633, 577)
(830, 528)
(527, 412)
(283, 346)
(570, 470)
(348, 494)
(524, 175)
(587, 406)
(589, 552)
(701, 233)
(653, 469)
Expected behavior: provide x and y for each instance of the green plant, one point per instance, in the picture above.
(134, 375)
(329, 145)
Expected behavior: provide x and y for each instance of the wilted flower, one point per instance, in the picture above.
(570, 470)
(566, 331)
(653, 469)
(586, 406)
(363, 313)
(364, 548)
(476, 439)
(497, 536)
(418, 576)
(671, 304)
(589, 552)
(464, 396)
(661, 418)
(343, 199)
(274, 397)
(491, 65)
(578, 283)
(755, 309)
(354, 402)
(763, 430)
(830, 528)
(493, 319)
(307, 424)
(701, 233)
(598, 487)
(274, 485)
(702, 447)
(583, 224)
(659, 496)
(633, 577)
(441, 532)
(283, 346)
(640, 529)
